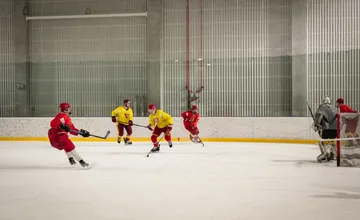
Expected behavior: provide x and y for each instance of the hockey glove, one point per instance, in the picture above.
(130, 122)
(84, 133)
(65, 127)
(150, 128)
(113, 119)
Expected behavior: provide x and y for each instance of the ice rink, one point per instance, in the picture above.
(221, 181)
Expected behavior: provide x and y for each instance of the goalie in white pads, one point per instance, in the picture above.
(326, 125)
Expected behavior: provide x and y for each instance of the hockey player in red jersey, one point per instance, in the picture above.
(351, 121)
(58, 134)
(342, 107)
(191, 119)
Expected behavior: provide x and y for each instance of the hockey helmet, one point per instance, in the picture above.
(340, 100)
(126, 101)
(151, 106)
(64, 106)
(326, 100)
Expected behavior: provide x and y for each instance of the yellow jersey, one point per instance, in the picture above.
(123, 115)
(160, 119)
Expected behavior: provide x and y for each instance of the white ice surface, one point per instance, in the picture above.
(221, 181)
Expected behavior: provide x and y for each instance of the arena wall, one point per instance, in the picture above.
(239, 129)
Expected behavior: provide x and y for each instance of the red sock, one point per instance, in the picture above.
(168, 137)
(154, 140)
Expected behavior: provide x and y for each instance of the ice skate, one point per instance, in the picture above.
(156, 149)
(197, 140)
(192, 138)
(127, 141)
(170, 144)
(83, 163)
(119, 140)
(72, 161)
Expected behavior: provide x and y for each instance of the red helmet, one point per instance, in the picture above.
(194, 107)
(340, 100)
(64, 106)
(151, 106)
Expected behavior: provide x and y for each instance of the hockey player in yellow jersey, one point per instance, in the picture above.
(123, 116)
(159, 122)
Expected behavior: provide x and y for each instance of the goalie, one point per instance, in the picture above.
(326, 125)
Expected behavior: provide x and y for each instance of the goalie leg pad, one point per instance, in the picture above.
(321, 158)
(321, 147)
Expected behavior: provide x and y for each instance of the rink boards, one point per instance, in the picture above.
(219, 129)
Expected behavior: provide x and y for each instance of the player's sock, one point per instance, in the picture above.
(75, 155)
(70, 157)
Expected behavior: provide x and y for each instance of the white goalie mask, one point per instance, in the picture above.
(326, 100)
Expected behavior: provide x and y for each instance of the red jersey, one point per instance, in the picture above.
(190, 117)
(345, 109)
(62, 118)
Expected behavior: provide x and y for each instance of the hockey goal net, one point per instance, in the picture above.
(348, 143)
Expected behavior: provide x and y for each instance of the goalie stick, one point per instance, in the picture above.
(93, 135)
(312, 115)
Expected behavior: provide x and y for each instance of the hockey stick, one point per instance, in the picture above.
(143, 126)
(106, 135)
(93, 135)
(156, 144)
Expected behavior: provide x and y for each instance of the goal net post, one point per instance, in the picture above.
(348, 140)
